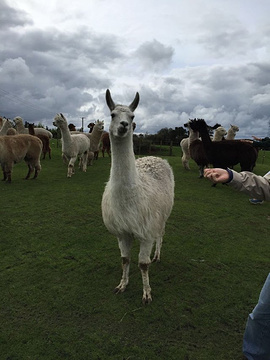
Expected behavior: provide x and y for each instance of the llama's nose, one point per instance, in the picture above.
(124, 124)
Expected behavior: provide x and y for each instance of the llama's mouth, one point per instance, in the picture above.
(122, 131)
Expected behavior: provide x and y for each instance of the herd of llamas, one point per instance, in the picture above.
(136, 187)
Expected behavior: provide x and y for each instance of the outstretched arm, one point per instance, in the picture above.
(245, 181)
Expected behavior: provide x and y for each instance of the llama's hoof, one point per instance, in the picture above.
(120, 288)
(146, 299)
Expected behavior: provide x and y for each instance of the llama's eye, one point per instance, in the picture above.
(112, 115)
(132, 117)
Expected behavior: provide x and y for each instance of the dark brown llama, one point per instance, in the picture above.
(226, 153)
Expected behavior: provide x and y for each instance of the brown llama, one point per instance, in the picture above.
(45, 141)
(91, 127)
(105, 142)
(14, 149)
(72, 127)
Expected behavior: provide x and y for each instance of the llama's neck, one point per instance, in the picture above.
(230, 135)
(20, 128)
(207, 142)
(66, 136)
(95, 136)
(31, 130)
(193, 135)
(123, 169)
(5, 128)
(217, 136)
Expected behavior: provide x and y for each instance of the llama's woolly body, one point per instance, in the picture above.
(73, 146)
(14, 149)
(133, 207)
(138, 197)
(11, 131)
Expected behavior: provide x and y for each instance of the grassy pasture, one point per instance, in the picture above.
(59, 267)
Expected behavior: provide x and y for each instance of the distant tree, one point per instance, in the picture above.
(166, 135)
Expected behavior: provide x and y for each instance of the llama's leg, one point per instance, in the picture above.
(7, 169)
(144, 262)
(158, 249)
(65, 159)
(30, 170)
(201, 169)
(71, 163)
(125, 245)
(8, 176)
(84, 161)
(4, 173)
(37, 170)
(185, 162)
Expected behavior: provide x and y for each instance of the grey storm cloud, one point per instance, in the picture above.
(10, 17)
(153, 54)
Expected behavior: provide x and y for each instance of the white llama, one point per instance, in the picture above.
(219, 134)
(7, 124)
(138, 197)
(73, 146)
(232, 132)
(94, 137)
(185, 143)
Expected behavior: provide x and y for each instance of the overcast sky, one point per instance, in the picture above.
(199, 58)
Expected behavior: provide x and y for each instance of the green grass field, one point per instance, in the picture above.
(59, 266)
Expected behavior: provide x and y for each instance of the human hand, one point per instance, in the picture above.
(256, 138)
(216, 175)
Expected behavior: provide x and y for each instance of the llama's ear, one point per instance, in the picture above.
(109, 100)
(135, 102)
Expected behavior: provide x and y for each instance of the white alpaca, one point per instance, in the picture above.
(185, 143)
(72, 146)
(138, 197)
(22, 130)
(2, 120)
(7, 124)
(219, 134)
(95, 136)
(232, 132)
